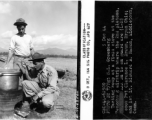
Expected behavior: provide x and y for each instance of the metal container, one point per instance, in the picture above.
(10, 94)
(9, 79)
(8, 101)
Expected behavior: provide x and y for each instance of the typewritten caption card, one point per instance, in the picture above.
(122, 60)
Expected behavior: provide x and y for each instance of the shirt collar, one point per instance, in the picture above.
(43, 70)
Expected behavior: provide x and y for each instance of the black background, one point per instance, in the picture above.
(142, 42)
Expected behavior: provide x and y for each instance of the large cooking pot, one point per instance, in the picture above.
(9, 79)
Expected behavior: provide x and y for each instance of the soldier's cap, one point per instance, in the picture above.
(37, 56)
(20, 21)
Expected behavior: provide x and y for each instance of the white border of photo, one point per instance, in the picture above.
(87, 59)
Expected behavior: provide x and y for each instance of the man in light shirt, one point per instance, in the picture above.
(21, 46)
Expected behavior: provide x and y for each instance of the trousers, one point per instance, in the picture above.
(18, 59)
(31, 88)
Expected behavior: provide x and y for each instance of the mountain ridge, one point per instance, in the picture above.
(52, 51)
(58, 51)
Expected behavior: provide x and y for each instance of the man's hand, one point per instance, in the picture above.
(23, 69)
(6, 66)
(40, 94)
(34, 98)
(23, 64)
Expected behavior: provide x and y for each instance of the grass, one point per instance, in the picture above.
(67, 96)
(63, 63)
(65, 107)
(66, 104)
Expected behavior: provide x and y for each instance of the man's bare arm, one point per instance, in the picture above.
(9, 57)
(24, 69)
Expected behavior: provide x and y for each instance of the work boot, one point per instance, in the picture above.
(24, 111)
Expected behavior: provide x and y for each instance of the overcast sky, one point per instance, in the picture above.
(52, 24)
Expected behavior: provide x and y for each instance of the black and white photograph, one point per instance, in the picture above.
(39, 59)
(82, 59)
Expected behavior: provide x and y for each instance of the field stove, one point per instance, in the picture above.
(8, 100)
(10, 94)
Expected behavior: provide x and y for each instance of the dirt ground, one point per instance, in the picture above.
(65, 106)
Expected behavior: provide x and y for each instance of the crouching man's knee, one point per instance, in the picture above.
(48, 100)
(24, 83)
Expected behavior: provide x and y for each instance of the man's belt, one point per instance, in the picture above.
(22, 56)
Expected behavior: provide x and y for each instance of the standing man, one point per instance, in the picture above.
(42, 89)
(21, 46)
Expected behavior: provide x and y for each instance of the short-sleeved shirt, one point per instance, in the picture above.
(21, 45)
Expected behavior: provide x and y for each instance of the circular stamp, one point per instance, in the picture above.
(86, 95)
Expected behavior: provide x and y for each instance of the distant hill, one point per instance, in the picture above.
(57, 51)
(52, 51)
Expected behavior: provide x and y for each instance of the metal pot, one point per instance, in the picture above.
(9, 79)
